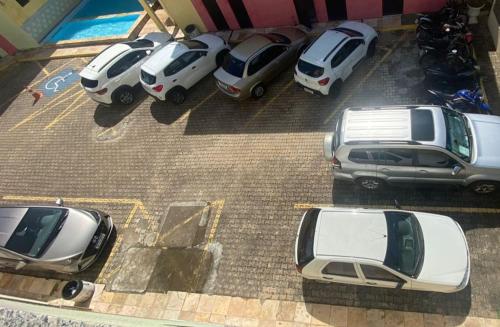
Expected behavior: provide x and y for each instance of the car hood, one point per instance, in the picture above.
(485, 130)
(74, 237)
(446, 254)
(223, 76)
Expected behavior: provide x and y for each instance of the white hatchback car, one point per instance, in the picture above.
(113, 75)
(383, 248)
(331, 58)
(170, 72)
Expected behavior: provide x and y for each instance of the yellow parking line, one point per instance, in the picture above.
(53, 72)
(46, 107)
(258, 113)
(44, 70)
(412, 208)
(183, 117)
(218, 214)
(377, 65)
(131, 216)
(68, 111)
(105, 131)
(409, 27)
(179, 225)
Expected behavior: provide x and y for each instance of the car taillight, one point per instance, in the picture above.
(233, 89)
(299, 268)
(158, 88)
(101, 92)
(336, 163)
(324, 81)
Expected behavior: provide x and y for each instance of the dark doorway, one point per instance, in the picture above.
(306, 12)
(240, 11)
(216, 15)
(337, 9)
(392, 7)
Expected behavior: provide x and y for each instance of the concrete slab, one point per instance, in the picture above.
(183, 226)
(136, 270)
(184, 270)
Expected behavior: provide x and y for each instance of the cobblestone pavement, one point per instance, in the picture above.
(258, 163)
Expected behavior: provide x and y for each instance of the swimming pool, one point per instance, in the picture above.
(86, 21)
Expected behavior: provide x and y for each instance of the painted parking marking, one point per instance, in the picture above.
(183, 117)
(42, 68)
(60, 82)
(363, 80)
(62, 66)
(411, 208)
(215, 225)
(68, 111)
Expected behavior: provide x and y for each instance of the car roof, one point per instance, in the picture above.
(105, 57)
(410, 124)
(9, 219)
(160, 59)
(248, 47)
(351, 233)
(325, 45)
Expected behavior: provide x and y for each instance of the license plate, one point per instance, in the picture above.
(308, 91)
(100, 240)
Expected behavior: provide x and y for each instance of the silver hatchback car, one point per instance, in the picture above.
(373, 146)
(55, 238)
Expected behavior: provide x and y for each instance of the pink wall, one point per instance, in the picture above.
(227, 11)
(204, 15)
(268, 13)
(358, 9)
(321, 12)
(414, 6)
(7, 46)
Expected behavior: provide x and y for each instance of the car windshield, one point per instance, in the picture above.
(405, 243)
(458, 138)
(233, 66)
(36, 230)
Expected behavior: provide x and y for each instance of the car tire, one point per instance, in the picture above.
(370, 183)
(258, 91)
(335, 89)
(177, 95)
(124, 95)
(484, 187)
(371, 48)
(219, 58)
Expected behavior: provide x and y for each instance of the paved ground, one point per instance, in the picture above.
(256, 165)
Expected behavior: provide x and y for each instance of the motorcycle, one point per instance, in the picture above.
(463, 100)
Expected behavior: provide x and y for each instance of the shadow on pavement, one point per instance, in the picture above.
(109, 116)
(168, 113)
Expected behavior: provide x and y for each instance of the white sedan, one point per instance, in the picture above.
(331, 58)
(383, 248)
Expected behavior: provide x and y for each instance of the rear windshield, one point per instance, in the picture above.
(310, 69)
(194, 44)
(90, 83)
(348, 31)
(278, 38)
(141, 43)
(36, 230)
(233, 66)
(148, 78)
(305, 245)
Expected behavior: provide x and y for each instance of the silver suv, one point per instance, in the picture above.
(372, 146)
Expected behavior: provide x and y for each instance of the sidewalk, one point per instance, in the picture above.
(229, 311)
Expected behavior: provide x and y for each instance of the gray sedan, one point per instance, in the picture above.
(257, 60)
(55, 238)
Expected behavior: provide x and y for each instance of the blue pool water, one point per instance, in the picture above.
(94, 8)
(92, 28)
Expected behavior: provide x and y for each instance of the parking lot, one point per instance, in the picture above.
(216, 188)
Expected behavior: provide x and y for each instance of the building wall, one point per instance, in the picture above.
(183, 13)
(20, 14)
(14, 35)
(265, 13)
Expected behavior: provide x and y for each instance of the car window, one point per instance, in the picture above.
(435, 159)
(345, 51)
(377, 273)
(310, 69)
(395, 157)
(364, 156)
(233, 66)
(340, 269)
(126, 62)
(180, 63)
(264, 58)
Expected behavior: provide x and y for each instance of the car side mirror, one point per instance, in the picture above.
(60, 202)
(455, 170)
(20, 265)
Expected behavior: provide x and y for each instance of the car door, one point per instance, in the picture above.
(266, 65)
(380, 277)
(341, 272)
(435, 166)
(395, 165)
(347, 58)
(194, 68)
(125, 71)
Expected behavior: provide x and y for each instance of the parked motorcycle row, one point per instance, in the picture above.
(447, 60)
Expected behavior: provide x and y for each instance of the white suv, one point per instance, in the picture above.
(331, 58)
(170, 72)
(383, 248)
(113, 75)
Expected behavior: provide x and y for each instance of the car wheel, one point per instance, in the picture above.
(258, 91)
(371, 48)
(219, 58)
(483, 187)
(124, 95)
(335, 89)
(177, 96)
(370, 183)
